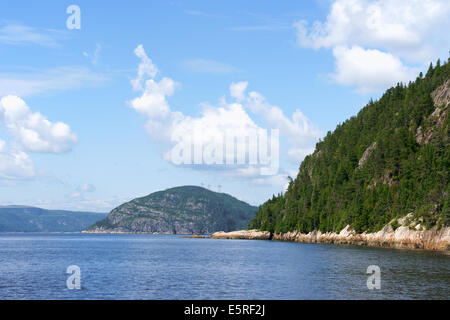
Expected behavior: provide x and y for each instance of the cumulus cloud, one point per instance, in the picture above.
(365, 34)
(153, 101)
(298, 129)
(30, 132)
(146, 68)
(371, 69)
(237, 90)
(213, 127)
(236, 117)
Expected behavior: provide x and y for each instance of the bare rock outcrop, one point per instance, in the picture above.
(441, 96)
(366, 154)
(242, 234)
(441, 101)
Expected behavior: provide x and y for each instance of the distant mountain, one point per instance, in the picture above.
(389, 161)
(32, 219)
(180, 210)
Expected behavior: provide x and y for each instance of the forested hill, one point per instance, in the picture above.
(390, 160)
(179, 210)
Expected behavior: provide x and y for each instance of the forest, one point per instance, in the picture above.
(389, 160)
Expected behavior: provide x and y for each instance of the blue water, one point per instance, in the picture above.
(33, 266)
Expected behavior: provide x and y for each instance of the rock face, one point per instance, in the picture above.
(366, 154)
(433, 123)
(180, 210)
(441, 96)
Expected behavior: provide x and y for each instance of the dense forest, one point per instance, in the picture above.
(390, 160)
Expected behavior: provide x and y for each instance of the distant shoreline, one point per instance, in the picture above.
(109, 231)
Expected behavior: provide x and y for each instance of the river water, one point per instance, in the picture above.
(34, 266)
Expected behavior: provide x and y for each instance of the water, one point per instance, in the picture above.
(33, 266)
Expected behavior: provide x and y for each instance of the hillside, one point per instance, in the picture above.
(180, 210)
(390, 160)
(31, 219)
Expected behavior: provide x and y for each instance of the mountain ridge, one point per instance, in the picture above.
(20, 218)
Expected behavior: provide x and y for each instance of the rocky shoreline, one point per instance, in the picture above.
(242, 234)
(403, 236)
(406, 236)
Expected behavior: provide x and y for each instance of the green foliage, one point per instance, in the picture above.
(398, 176)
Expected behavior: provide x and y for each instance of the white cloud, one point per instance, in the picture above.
(371, 69)
(61, 78)
(365, 34)
(29, 132)
(213, 125)
(299, 131)
(209, 66)
(146, 68)
(153, 102)
(15, 164)
(215, 122)
(19, 34)
(237, 90)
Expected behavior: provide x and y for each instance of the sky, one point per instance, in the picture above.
(93, 105)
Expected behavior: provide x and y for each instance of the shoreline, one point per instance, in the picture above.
(402, 237)
(407, 234)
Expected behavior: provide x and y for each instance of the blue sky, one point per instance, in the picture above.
(80, 143)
